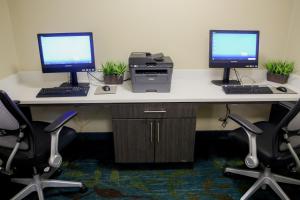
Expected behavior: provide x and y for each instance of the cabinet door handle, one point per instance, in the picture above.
(151, 132)
(155, 111)
(158, 134)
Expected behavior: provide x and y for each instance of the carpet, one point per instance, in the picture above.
(205, 181)
(90, 159)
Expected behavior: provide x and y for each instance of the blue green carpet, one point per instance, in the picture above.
(204, 181)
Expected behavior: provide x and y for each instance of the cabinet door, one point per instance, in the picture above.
(175, 140)
(133, 140)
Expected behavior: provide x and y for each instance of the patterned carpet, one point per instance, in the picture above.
(90, 160)
(205, 181)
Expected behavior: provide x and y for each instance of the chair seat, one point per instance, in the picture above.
(42, 145)
(265, 150)
(264, 141)
(9, 141)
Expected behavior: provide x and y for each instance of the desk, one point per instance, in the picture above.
(187, 86)
(166, 136)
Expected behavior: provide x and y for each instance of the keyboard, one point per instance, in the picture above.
(246, 89)
(63, 92)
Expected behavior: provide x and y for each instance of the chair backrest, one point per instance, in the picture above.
(12, 118)
(291, 121)
(294, 124)
(7, 120)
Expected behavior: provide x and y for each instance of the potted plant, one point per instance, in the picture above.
(279, 71)
(113, 72)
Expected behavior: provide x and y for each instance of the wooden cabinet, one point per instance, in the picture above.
(175, 140)
(133, 140)
(146, 133)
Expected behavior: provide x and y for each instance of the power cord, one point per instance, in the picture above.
(224, 119)
(238, 76)
(97, 79)
(253, 81)
(101, 81)
(127, 79)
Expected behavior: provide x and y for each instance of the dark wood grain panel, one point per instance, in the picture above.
(175, 140)
(132, 141)
(144, 110)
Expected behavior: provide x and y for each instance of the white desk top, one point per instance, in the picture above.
(187, 86)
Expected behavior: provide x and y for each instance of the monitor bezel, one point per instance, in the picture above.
(52, 68)
(229, 63)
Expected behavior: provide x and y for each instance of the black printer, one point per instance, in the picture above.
(150, 72)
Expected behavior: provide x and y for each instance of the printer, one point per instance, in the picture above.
(150, 72)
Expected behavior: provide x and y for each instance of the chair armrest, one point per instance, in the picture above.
(287, 104)
(252, 131)
(17, 102)
(54, 129)
(245, 124)
(60, 121)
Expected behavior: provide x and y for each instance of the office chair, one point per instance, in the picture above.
(32, 147)
(274, 145)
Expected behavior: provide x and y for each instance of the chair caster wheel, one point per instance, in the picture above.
(227, 174)
(83, 189)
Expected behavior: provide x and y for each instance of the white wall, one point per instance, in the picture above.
(293, 45)
(8, 56)
(178, 28)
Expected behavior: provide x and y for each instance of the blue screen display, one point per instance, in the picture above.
(66, 50)
(234, 46)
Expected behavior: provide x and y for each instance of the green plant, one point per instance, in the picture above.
(108, 68)
(120, 68)
(280, 67)
(114, 68)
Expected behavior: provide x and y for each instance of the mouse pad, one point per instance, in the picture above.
(99, 90)
(289, 91)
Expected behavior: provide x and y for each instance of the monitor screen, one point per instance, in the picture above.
(233, 48)
(65, 52)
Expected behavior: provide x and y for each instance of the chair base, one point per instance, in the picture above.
(37, 184)
(265, 178)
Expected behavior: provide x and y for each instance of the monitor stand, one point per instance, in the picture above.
(226, 80)
(74, 82)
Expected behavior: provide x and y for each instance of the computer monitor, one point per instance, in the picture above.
(232, 49)
(67, 52)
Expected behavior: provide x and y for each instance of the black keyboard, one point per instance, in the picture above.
(63, 92)
(246, 89)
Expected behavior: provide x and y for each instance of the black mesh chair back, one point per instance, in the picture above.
(12, 122)
(291, 123)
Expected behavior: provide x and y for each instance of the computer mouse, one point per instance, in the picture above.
(281, 89)
(106, 88)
